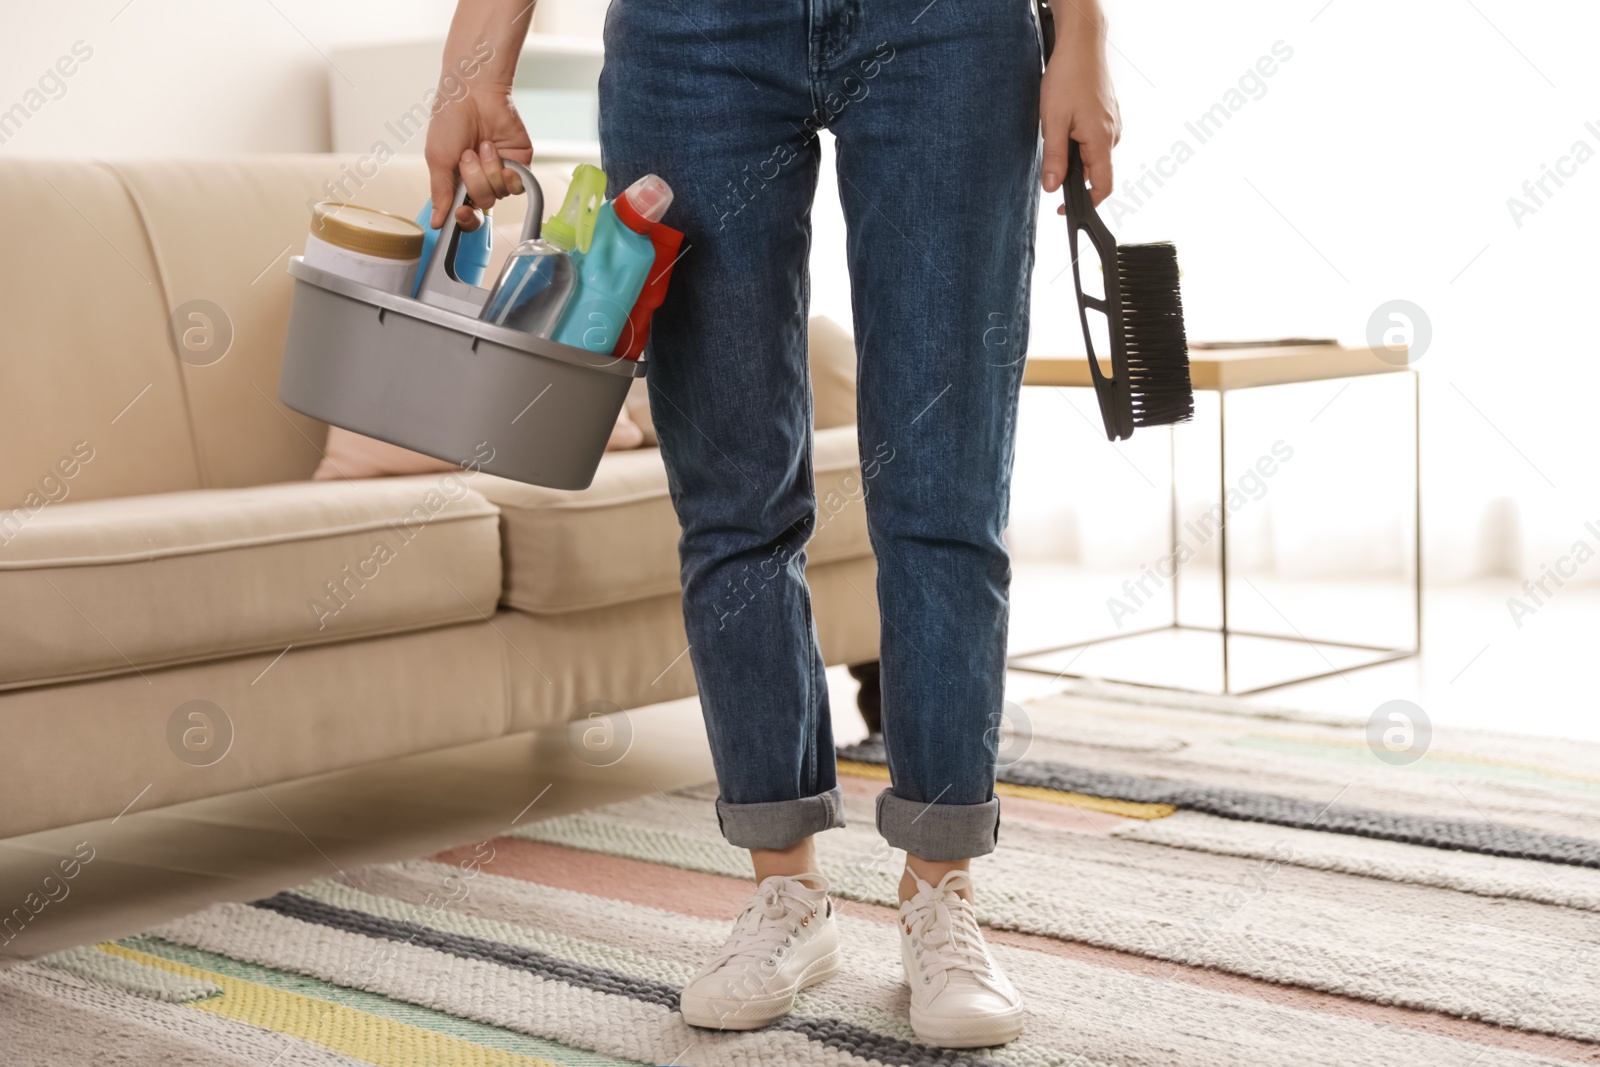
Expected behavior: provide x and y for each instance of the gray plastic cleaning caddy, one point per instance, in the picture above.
(429, 375)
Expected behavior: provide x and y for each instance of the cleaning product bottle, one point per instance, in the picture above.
(472, 249)
(540, 277)
(533, 290)
(573, 226)
(612, 273)
(667, 242)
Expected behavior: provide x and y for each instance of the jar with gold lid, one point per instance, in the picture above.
(365, 245)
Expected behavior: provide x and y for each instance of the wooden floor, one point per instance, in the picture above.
(1477, 669)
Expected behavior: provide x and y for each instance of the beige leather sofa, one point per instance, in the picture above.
(160, 544)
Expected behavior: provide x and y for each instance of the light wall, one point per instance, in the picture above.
(1382, 158)
(188, 77)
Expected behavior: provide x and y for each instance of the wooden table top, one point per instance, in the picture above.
(1221, 369)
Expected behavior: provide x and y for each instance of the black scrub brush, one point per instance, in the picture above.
(1149, 380)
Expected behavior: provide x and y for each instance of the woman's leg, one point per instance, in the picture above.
(931, 872)
(711, 97)
(798, 858)
(715, 97)
(938, 174)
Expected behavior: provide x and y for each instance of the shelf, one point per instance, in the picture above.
(544, 151)
(559, 44)
(379, 94)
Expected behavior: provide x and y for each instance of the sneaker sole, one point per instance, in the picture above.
(756, 1013)
(968, 1033)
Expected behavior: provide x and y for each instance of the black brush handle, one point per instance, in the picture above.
(1112, 391)
(1047, 28)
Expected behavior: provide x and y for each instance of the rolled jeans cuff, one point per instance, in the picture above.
(780, 823)
(939, 831)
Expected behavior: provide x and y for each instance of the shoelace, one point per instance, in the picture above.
(947, 929)
(777, 908)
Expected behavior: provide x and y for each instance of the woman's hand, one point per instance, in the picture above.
(470, 137)
(472, 132)
(1076, 101)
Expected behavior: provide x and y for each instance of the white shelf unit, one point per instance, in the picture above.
(378, 94)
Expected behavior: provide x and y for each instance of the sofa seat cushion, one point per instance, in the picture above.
(130, 584)
(617, 541)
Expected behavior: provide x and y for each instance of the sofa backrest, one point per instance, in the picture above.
(101, 257)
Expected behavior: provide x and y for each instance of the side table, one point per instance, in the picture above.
(1227, 370)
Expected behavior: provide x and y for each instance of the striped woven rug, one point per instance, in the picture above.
(1178, 882)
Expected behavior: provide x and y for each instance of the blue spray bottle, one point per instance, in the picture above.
(472, 250)
(613, 271)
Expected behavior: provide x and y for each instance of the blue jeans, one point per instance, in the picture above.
(934, 107)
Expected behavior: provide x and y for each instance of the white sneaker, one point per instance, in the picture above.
(959, 997)
(783, 941)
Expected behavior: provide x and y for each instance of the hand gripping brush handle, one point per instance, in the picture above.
(1149, 380)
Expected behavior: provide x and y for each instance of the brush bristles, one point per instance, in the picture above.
(1152, 326)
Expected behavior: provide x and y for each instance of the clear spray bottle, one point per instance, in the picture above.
(539, 277)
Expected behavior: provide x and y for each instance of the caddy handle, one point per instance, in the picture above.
(440, 287)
